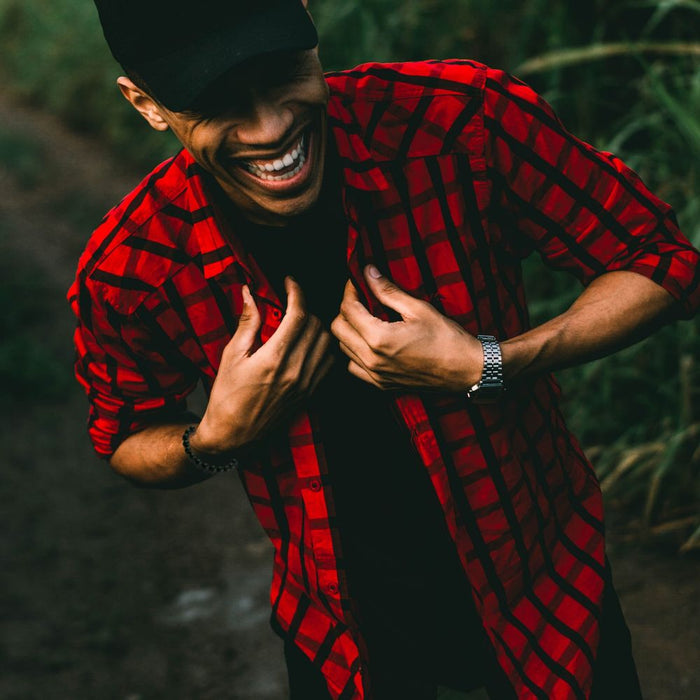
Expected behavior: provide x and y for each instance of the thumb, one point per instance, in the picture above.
(388, 293)
(249, 323)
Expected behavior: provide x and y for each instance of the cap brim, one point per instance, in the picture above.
(176, 80)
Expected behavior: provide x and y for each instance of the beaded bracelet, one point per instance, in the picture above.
(200, 463)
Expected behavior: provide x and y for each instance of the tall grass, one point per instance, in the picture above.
(647, 448)
(624, 75)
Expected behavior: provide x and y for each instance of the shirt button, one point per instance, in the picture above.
(315, 485)
(333, 588)
(276, 313)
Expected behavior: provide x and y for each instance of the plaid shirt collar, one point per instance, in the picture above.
(217, 250)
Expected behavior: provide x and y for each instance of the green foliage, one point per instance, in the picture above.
(638, 410)
(54, 55)
(25, 157)
(30, 368)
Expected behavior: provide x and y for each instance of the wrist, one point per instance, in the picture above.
(464, 364)
(206, 462)
(475, 368)
(520, 356)
(206, 441)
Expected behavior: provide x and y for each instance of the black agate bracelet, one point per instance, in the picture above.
(200, 463)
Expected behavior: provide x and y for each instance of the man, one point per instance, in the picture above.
(446, 532)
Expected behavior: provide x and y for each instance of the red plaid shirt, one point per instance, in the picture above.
(453, 172)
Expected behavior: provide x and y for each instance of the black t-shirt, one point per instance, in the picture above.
(403, 573)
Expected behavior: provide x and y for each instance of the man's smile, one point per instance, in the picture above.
(279, 168)
(288, 170)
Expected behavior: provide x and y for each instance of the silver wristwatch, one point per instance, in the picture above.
(490, 387)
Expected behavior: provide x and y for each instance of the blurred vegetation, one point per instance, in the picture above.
(26, 157)
(29, 370)
(623, 75)
(54, 56)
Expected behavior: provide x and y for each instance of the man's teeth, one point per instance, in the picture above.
(263, 169)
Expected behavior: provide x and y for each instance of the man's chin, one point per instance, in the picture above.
(280, 212)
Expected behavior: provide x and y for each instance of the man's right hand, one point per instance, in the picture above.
(255, 389)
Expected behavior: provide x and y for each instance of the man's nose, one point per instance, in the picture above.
(266, 123)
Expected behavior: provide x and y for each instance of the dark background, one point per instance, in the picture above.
(114, 592)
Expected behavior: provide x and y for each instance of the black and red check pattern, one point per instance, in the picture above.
(453, 173)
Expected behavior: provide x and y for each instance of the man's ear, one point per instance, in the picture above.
(143, 103)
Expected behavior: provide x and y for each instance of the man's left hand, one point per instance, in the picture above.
(424, 350)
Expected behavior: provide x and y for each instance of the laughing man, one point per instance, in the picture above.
(337, 259)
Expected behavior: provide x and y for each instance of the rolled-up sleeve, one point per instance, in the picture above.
(584, 210)
(126, 390)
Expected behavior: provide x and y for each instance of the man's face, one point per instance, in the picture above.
(261, 133)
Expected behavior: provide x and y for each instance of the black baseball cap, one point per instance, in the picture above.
(179, 48)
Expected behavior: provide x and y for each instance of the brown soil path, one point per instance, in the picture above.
(113, 592)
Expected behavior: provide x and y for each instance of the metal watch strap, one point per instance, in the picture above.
(490, 386)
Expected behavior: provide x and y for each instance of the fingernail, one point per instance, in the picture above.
(373, 272)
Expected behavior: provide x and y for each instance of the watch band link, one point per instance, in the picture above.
(490, 386)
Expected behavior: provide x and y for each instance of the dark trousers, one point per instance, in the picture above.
(614, 671)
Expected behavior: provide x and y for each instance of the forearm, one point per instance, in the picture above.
(155, 457)
(614, 311)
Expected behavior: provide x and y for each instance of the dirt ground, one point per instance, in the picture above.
(108, 591)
